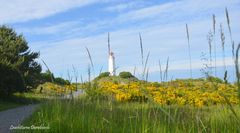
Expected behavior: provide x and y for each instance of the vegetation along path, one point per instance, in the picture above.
(14, 117)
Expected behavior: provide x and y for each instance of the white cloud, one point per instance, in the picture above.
(163, 31)
(174, 9)
(125, 44)
(23, 10)
(125, 6)
(173, 13)
(50, 29)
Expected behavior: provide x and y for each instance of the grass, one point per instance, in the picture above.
(116, 79)
(104, 116)
(21, 99)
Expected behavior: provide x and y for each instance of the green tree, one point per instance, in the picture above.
(16, 57)
(61, 81)
(46, 77)
(49, 77)
(10, 80)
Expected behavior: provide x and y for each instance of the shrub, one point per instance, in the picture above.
(156, 84)
(61, 81)
(49, 77)
(125, 75)
(46, 77)
(102, 75)
(214, 79)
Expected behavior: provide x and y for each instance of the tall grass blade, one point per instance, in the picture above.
(81, 79)
(214, 24)
(145, 64)
(230, 33)
(101, 70)
(141, 46)
(70, 80)
(75, 75)
(223, 45)
(134, 70)
(160, 69)
(69, 76)
(210, 39)
(166, 71)
(89, 73)
(90, 58)
(147, 74)
(233, 49)
(228, 22)
(52, 79)
(189, 51)
(215, 49)
(237, 70)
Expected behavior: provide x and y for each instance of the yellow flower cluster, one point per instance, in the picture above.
(51, 88)
(176, 92)
(123, 92)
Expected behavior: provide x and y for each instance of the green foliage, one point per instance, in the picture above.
(156, 84)
(126, 75)
(19, 70)
(102, 75)
(61, 81)
(10, 80)
(46, 77)
(214, 79)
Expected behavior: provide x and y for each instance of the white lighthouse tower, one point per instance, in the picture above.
(111, 64)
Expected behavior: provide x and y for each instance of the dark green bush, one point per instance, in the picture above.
(156, 84)
(61, 81)
(214, 79)
(46, 77)
(102, 75)
(125, 75)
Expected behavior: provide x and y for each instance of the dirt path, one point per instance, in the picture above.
(14, 117)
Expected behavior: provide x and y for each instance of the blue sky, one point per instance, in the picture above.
(61, 29)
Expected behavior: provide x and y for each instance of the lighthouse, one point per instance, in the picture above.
(111, 59)
(111, 64)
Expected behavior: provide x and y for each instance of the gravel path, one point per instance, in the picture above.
(14, 117)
